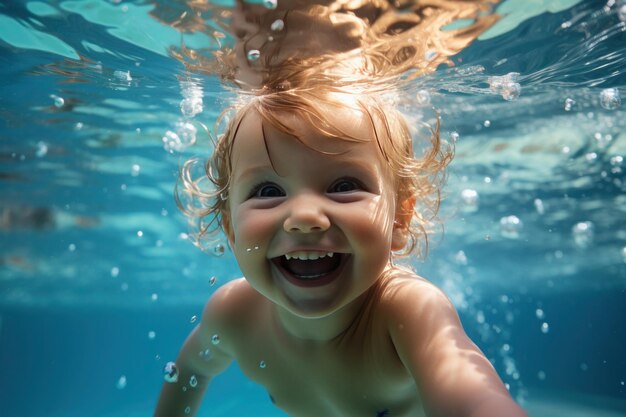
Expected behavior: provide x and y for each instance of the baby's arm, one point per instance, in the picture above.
(199, 360)
(453, 376)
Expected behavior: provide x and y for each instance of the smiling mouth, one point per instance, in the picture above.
(306, 272)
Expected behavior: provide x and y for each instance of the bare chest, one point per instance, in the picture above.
(309, 381)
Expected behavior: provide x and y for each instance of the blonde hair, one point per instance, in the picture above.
(421, 177)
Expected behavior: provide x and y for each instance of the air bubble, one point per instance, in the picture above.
(115, 271)
(184, 137)
(253, 55)
(624, 254)
(42, 149)
(487, 123)
(219, 249)
(215, 339)
(151, 334)
(262, 365)
(193, 319)
(454, 136)
(71, 247)
(212, 281)
(205, 354)
(511, 226)
(539, 313)
(270, 4)
(187, 410)
(58, 101)
(423, 97)
(170, 372)
(460, 258)
(135, 169)
(610, 98)
(582, 234)
(277, 25)
(545, 328)
(193, 381)
(541, 375)
(621, 13)
(568, 104)
(121, 382)
(470, 200)
(539, 206)
(154, 297)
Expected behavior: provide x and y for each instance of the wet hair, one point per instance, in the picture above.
(421, 176)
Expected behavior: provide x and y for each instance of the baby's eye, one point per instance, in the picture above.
(345, 185)
(267, 190)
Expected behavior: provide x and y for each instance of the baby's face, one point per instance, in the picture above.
(311, 231)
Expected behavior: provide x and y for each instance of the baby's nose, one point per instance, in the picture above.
(306, 216)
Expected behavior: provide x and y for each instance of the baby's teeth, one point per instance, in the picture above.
(304, 256)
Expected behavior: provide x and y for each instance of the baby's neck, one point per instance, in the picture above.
(320, 330)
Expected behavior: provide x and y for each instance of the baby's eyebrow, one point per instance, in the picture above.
(253, 172)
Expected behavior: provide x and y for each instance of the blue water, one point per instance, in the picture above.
(99, 287)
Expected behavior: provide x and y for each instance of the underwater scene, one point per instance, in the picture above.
(102, 102)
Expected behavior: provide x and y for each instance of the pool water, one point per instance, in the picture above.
(99, 284)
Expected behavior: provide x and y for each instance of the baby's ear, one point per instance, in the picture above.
(402, 223)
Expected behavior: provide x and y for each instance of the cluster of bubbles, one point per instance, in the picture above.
(610, 98)
(192, 102)
(183, 137)
(511, 226)
(582, 233)
(506, 85)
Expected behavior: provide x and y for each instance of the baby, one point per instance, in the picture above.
(318, 192)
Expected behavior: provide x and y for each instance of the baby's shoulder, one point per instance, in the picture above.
(232, 301)
(408, 297)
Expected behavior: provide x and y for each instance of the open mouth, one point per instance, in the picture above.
(310, 269)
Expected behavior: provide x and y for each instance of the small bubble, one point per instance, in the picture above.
(270, 4)
(454, 136)
(151, 334)
(134, 170)
(480, 317)
(42, 149)
(621, 13)
(423, 97)
(215, 339)
(115, 271)
(545, 328)
(610, 98)
(541, 375)
(58, 101)
(262, 365)
(78, 126)
(170, 372)
(193, 319)
(183, 236)
(487, 123)
(139, 233)
(154, 296)
(71, 247)
(219, 249)
(470, 200)
(212, 281)
(539, 206)
(124, 286)
(121, 382)
(616, 161)
(193, 381)
(253, 55)
(187, 410)
(584, 367)
(624, 254)
(582, 233)
(460, 258)
(511, 226)
(277, 25)
(539, 313)
(569, 104)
